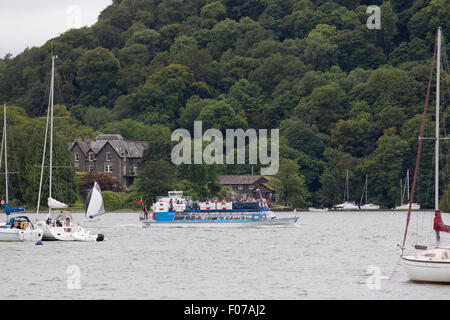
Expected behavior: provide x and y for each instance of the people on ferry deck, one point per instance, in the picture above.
(145, 210)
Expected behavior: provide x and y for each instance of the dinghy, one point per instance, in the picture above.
(94, 202)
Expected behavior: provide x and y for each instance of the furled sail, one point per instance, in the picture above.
(55, 204)
(94, 202)
(439, 224)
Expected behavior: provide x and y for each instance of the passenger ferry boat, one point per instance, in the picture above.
(177, 210)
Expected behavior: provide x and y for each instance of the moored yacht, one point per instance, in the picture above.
(20, 229)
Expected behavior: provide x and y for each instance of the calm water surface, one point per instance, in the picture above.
(326, 255)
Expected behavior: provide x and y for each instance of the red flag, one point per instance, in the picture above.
(140, 202)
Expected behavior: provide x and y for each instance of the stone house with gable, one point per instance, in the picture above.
(109, 154)
(244, 187)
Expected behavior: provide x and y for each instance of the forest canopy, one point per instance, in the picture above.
(345, 97)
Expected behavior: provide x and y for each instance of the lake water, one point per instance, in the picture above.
(326, 255)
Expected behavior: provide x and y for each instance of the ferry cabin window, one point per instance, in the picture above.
(108, 168)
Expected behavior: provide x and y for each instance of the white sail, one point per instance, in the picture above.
(55, 204)
(94, 202)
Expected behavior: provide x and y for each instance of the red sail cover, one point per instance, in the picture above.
(438, 223)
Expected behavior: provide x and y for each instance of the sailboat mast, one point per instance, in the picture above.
(348, 194)
(366, 188)
(420, 146)
(407, 184)
(51, 127)
(436, 149)
(6, 153)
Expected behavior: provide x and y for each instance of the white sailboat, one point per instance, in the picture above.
(18, 228)
(367, 205)
(405, 206)
(347, 204)
(424, 264)
(59, 224)
(94, 202)
(318, 209)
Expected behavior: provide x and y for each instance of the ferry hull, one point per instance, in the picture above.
(222, 224)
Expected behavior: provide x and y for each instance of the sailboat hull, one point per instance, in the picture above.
(424, 268)
(370, 207)
(77, 233)
(18, 235)
(415, 206)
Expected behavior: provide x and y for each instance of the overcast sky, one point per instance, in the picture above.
(30, 23)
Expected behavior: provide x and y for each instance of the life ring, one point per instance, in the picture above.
(23, 225)
(261, 205)
(154, 215)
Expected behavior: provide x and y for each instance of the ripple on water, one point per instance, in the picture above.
(324, 256)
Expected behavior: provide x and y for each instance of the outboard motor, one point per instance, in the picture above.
(100, 237)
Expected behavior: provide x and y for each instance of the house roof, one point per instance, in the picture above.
(240, 179)
(130, 149)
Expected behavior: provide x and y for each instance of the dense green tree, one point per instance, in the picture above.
(385, 168)
(323, 108)
(341, 94)
(293, 191)
(97, 71)
(220, 115)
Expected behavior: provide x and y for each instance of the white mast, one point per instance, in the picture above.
(407, 184)
(51, 133)
(436, 149)
(366, 188)
(50, 109)
(6, 153)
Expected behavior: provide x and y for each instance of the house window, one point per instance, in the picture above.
(240, 187)
(108, 156)
(91, 156)
(135, 170)
(77, 157)
(108, 168)
(251, 187)
(77, 167)
(91, 168)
